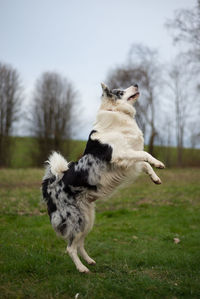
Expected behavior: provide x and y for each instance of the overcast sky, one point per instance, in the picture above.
(81, 39)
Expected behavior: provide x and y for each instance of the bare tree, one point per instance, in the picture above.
(182, 102)
(144, 69)
(10, 100)
(194, 134)
(185, 28)
(52, 114)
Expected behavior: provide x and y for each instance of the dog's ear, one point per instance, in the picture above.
(106, 91)
(104, 87)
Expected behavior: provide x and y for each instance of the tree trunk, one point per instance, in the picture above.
(151, 142)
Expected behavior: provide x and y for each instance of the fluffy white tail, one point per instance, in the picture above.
(57, 164)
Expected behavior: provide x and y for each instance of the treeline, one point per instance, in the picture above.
(23, 148)
(49, 117)
(167, 111)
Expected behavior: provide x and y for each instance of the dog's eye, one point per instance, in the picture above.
(118, 93)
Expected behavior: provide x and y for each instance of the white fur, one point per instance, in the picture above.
(57, 164)
(116, 126)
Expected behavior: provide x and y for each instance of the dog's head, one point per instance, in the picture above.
(118, 97)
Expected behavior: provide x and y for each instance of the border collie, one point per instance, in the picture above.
(114, 155)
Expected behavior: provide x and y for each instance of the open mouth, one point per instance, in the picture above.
(134, 96)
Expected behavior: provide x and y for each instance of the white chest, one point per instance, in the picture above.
(122, 133)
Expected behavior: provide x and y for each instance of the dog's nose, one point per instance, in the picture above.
(136, 86)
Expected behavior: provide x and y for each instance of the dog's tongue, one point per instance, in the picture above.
(134, 96)
(131, 98)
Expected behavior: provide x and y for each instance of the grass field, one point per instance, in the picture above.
(132, 241)
(24, 149)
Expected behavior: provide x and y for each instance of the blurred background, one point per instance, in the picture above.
(53, 57)
(54, 54)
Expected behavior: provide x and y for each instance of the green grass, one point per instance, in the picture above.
(132, 241)
(24, 148)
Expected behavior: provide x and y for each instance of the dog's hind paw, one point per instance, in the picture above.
(83, 269)
(91, 262)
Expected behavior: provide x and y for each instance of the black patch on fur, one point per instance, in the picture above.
(70, 241)
(108, 92)
(75, 178)
(52, 179)
(100, 150)
(80, 221)
(58, 191)
(62, 226)
(68, 190)
(51, 206)
(118, 93)
(44, 189)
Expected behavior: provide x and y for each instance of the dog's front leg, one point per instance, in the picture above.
(129, 158)
(146, 167)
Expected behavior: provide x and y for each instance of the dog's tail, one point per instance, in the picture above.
(56, 165)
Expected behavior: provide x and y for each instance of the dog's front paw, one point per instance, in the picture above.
(157, 181)
(159, 164)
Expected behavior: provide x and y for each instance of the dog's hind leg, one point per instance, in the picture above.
(83, 252)
(146, 167)
(89, 222)
(72, 251)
